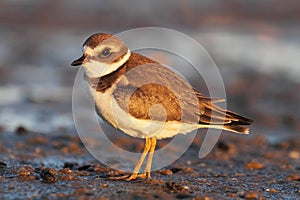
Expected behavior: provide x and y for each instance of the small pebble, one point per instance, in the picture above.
(115, 173)
(254, 165)
(241, 194)
(230, 194)
(251, 195)
(64, 171)
(28, 178)
(83, 173)
(3, 164)
(286, 166)
(271, 190)
(175, 169)
(188, 170)
(294, 155)
(185, 187)
(25, 171)
(165, 172)
(38, 140)
(202, 165)
(21, 130)
(240, 174)
(173, 186)
(84, 167)
(70, 165)
(294, 177)
(38, 150)
(48, 175)
(67, 178)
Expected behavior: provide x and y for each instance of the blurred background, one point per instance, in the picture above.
(255, 44)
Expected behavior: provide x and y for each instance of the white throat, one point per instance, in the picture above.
(95, 69)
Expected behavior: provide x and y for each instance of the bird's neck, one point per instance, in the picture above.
(101, 84)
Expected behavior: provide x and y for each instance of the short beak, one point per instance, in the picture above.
(79, 61)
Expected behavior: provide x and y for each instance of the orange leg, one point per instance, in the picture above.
(150, 158)
(137, 168)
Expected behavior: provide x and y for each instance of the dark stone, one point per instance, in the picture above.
(21, 130)
(84, 167)
(70, 165)
(48, 175)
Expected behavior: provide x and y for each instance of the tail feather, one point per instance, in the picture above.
(216, 117)
(232, 128)
(236, 129)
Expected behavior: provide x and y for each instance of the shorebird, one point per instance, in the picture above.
(127, 86)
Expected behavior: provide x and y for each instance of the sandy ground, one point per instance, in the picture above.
(256, 47)
(51, 166)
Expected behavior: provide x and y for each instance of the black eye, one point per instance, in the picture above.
(106, 52)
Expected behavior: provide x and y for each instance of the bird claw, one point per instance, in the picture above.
(130, 177)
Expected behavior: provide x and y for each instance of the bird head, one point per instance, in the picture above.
(102, 55)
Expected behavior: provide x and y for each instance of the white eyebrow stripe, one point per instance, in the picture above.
(94, 52)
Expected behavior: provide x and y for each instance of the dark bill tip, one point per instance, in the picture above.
(79, 61)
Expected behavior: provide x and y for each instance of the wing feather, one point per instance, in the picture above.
(147, 83)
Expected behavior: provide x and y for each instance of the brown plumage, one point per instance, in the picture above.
(150, 83)
(96, 39)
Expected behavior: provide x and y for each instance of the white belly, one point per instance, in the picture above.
(134, 127)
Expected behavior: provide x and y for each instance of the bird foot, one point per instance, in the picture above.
(130, 177)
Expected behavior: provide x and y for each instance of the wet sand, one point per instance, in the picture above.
(51, 166)
(256, 47)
